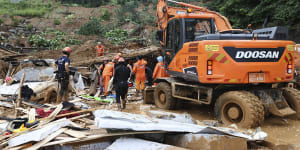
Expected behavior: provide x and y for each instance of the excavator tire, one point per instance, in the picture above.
(258, 104)
(241, 108)
(163, 96)
(292, 96)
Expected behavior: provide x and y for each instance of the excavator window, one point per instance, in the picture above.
(177, 36)
(174, 38)
(169, 39)
(197, 27)
(173, 35)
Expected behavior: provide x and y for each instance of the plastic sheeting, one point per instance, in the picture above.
(108, 119)
(40, 134)
(13, 89)
(35, 74)
(79, 85)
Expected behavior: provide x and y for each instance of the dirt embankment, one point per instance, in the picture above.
(84, 52)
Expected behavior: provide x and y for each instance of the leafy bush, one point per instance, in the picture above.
(57, 41)
(105, 14)
(241, 13)
(93, 27)
(127, 12)
(86, 3)
(70, 18)
(73, 42)
(1, 20)
(25, 8)
(38, 40)
(57, 22)
(117, 36)
(29, 27)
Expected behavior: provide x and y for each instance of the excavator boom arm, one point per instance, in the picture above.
(165, 13)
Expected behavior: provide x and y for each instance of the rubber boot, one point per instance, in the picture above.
(66, 96)
(124, 104)
(137, 93)
(58, 99)
(143, 93)
(119, 106)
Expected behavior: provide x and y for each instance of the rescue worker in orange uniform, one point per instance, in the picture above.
(107, 73)
(100, 71)
(159, 70)
(99, 49)
(140, 75)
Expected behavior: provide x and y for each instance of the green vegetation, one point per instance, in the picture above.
(85, 3)
(105, 14)
(1, 21)
(117, 36)
(57, 22)
(93, 27)
(58, 40)
(128, 12)
(15, 21)
(244, 12)
(25, 8)
(70, 18)
(29, 27)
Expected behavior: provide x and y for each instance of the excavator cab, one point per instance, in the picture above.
(190, 28)
(196, 27)
(182, 30)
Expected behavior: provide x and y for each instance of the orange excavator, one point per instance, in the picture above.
(245, 74)
(297, 65)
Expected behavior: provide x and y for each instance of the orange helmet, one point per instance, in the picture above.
(67, 50)
(121, 59)
(116, 57)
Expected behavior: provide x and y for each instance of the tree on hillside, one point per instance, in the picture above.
(244, 12)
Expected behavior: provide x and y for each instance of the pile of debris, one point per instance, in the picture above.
(85, 123)
(92, 122)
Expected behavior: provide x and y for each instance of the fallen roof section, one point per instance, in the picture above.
(115, 120)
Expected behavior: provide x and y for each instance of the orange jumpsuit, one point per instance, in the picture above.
(100, 50)
(159, 71)
(140, 74)
(107, 74)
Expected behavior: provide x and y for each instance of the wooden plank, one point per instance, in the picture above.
(76, 112)
(79, 117)
(18, 147)
(51, 116)
(19, 99)
(86, 120)
(5, 137)
(76, 134)
(60, 142)
(76, 125)
(46, 140)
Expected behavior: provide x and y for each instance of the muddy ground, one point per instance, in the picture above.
(281, 131)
